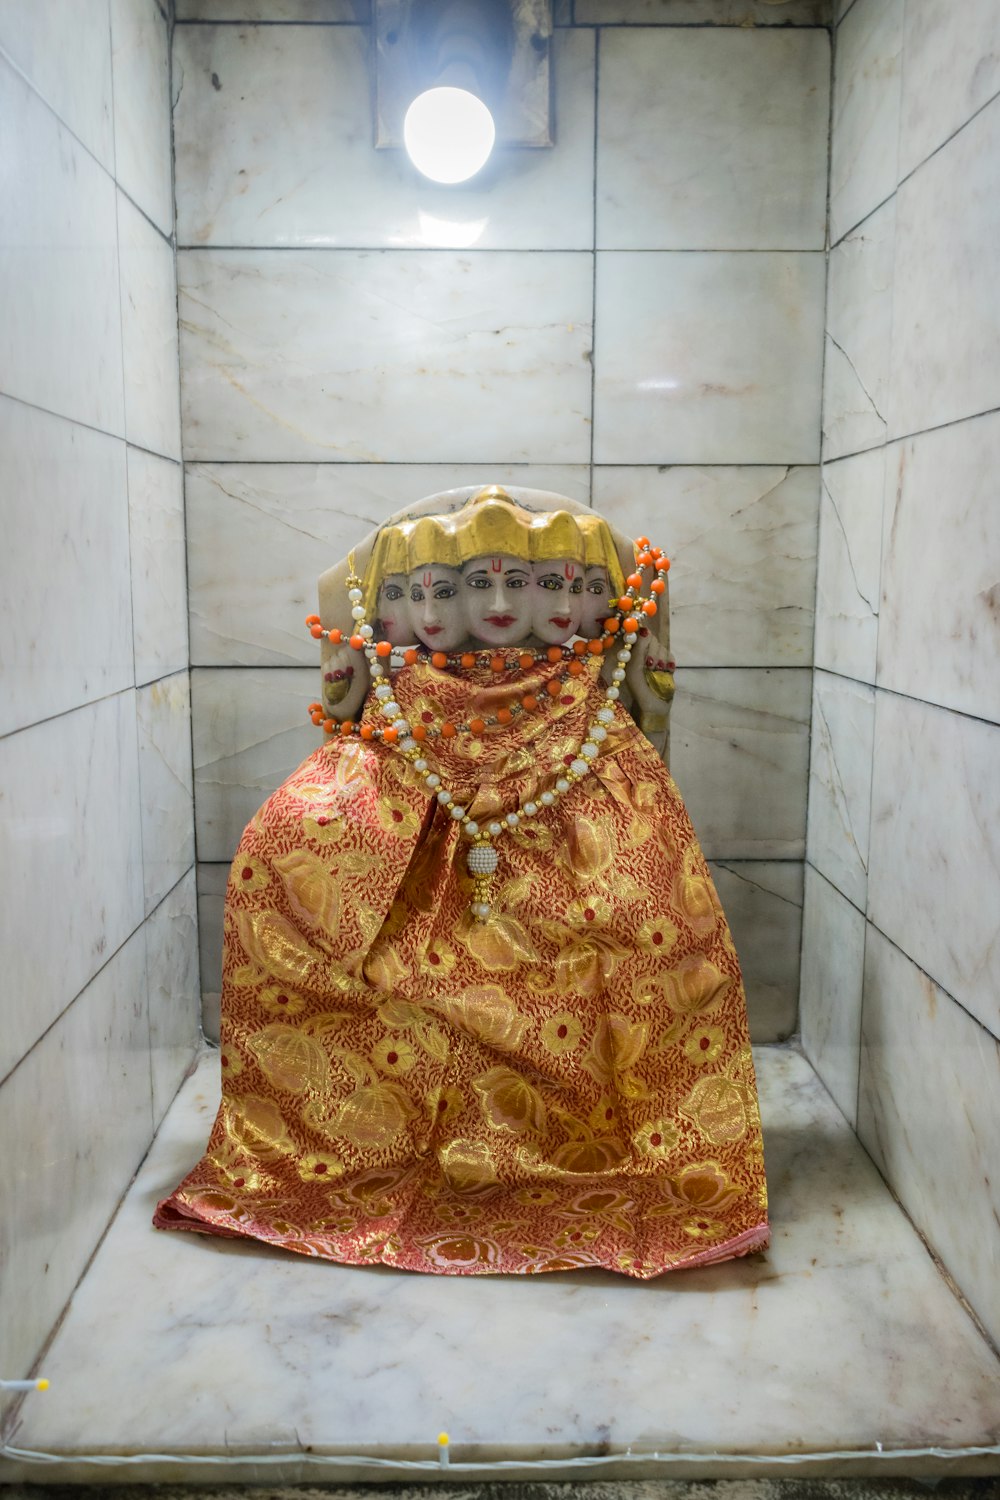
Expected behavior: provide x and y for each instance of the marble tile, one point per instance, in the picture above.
(64, 566)
(273, 131)
(166, 783)
(149, 334)
(388, 356)
(212, 881)
(840, 773)
(710, 357)
(75, 1119)
(850, 549)
(935, 846)
(743, 544)
(833, 957)
(59, 304)
(70, 857)
(867, 63)
(929, 1114)
(173, 989)
(272, 10)
(701, 12)
(858, 335)
(939, 630)
(74, 78)
(762, 900)
(846, 1285)
(159, 577)
(141, 64)
(251, 731)
(952, 67)
(739, 751)
(259, 536)
(946, 295)
(688, 159)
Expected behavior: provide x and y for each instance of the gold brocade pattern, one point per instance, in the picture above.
(568, 1084)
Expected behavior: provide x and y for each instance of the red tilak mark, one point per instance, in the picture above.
(569, 570)
(496, 564)
(427, 580)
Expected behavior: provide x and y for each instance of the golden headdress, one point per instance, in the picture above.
(490, 523)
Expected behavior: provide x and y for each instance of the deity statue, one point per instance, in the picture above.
(482, 1011)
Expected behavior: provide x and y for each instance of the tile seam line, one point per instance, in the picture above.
(97, 973)
(117, 437)
(869, 922)
(486, 250)
(111, 176)
(128, 687)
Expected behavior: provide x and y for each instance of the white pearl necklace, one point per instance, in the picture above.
(482, 859)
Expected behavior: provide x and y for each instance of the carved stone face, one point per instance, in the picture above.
(556, 600)
(596, 592)
(437, 607)
(394, 610)
(498, 599)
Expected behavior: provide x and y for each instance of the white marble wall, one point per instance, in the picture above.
(98, 1012)
(901, 950)
(633, 318)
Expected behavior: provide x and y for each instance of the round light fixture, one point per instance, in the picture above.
(449, 134)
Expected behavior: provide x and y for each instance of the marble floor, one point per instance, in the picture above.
(841, 1350)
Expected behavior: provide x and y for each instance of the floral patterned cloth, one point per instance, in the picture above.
(568, 1084)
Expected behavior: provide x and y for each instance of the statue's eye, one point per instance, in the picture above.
(550, 581)
(516, 583)
(478, 581)
(445, 591)
(595, 586)
(417, 594)
(392, 591)
(576, 587)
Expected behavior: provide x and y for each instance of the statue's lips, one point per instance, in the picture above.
(501, 621)
(561, 622)
(433, 629)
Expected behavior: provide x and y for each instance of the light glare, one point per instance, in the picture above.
(449, 134)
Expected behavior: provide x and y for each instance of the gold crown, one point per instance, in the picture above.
(490, 523)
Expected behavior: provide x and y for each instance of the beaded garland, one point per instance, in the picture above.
(621, 627)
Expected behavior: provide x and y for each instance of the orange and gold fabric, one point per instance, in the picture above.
(567, 1084)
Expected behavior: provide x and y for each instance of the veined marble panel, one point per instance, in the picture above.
(833, 958)
(743, 544)
(259, 536)
(840, 773)
(939, 632)
(935, 846)
(739, 752)
(686, 156)
(70, 860)
(846, 1285)
(166, 781)
(273, 10)
(73, 77)
(929, 1114)
(173, 990)
(850, 549)
(762, 900)
(159, 578)
(212, 880)
(867, 63)
(405, 356)
(952, 67)
(59, 306)
(141, 63)
(708, 357)
(858, 334)
(946, 293)
(149, 334)
(75, 1120)
(64, 566)
(251, 730)
(274, 147)
(702, 12)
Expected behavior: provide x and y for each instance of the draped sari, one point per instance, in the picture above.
(567, 1084)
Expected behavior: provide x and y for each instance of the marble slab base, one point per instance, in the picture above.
(841, 1349)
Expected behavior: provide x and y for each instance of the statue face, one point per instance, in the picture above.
(596, 592)
(556, 600)
(394, 610)
(437, 607)
(498, 598)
